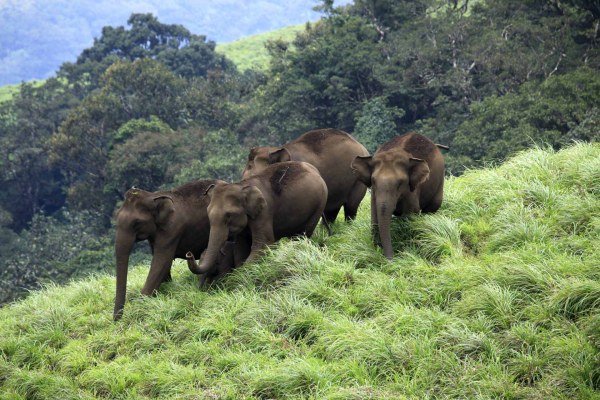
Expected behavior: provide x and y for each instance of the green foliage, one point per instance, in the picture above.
(53, 249)
(376, 123)
(30, 184)
(83, 143)
(221, 157)
(182, 52)
(558, 111)
(148, 160)
(134, 126)
(330, 317)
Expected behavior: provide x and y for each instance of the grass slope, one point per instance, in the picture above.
(250, 52)
(495, 296)
(8, 91)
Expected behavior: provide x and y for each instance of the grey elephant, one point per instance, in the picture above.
(406, 175)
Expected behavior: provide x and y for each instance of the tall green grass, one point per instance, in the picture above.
(495, 296)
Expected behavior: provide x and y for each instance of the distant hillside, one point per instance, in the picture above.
(7, 91)
(246, 53)
(495, 296)
(37, 36)
(250, 52)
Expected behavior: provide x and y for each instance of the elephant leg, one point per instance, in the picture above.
(329, 217)
(327, 224)
(312, 223)
(241, 250)
(160, 267)
(374, 225)
(357, 193)
(167, 277)
(226, 260)
(435, 203)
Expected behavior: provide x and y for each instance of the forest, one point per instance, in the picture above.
(152, 105)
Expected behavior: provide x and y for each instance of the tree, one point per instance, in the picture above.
(221, 157)
(377, 123)
(151, 159)
(548, 113)
(183, 53)
(130, 90)
(26, 124)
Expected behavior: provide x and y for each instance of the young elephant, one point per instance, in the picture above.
(406, 175)
(172, 221)
(284, 200)
(331, 151)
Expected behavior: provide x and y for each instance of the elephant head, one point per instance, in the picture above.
(260, 158)
(392, 177)
(232, 208)
(140, 216)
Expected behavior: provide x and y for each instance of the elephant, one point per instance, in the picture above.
(331, 151)
(406, 175)
(173, 222)
(284, 200)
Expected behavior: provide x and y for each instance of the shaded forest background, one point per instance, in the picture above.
(152, 105)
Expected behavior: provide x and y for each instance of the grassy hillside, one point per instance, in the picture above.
(250, 52)
(7, 91)
(495, 296)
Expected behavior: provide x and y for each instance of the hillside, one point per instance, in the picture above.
(250, 52)
(246, 53)
(7, 91)
(495, 296)
(36, 36)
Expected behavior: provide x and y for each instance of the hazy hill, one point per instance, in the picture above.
(37, 36)
(495, 296)
(248, 52)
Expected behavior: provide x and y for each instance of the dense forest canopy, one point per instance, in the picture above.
(152, 105)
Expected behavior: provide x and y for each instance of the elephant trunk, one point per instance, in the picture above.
(216, 240)
(192, 264)
(124, 242)
(385, 208)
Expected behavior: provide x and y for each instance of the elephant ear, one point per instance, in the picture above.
(419, 172)
(279, 155)
(163, 208)
(362, 167)
(254, 201)
(209, 190)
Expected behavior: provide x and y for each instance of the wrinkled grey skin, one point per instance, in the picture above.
(285, 200)
(174, 222)
(406, 175)
(331, 151)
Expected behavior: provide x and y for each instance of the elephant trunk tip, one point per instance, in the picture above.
(191, 261)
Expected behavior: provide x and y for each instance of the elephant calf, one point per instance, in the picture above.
(172, 221)
(331, 151)
(406, 175)
(284, 200)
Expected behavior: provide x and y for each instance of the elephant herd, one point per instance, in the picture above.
(284, 192)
